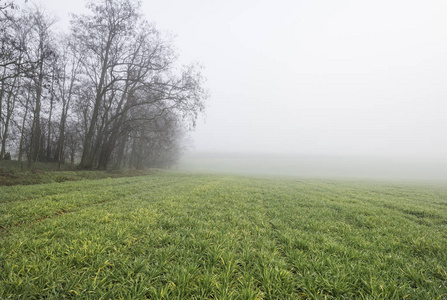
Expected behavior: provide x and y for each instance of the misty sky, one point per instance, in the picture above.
(312, 77)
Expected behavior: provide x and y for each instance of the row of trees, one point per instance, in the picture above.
(108, 92)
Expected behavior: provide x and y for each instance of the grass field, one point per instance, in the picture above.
(180, 236)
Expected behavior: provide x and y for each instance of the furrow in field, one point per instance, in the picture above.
(17, 213)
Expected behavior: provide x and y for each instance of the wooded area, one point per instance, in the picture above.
(106, 94)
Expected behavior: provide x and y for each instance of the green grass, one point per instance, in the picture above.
(179, 236)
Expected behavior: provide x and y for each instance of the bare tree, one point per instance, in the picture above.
(14, 32)
(41, 50)
(24, 101)
(67, 68)
(100, 36)
(130, 68)
(156, 144)
(73, 141)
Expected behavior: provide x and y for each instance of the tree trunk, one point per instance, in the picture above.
(48, 154)
(87, 159)
(9, 110)
(22, 131)
(36, 137)
(120, 152)
(104, 155)
(59, 155)
(10, 104)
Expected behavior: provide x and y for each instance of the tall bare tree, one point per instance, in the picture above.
(129, 68)
(101, 36)
(14, 32)
(42, 51)
(67, 68)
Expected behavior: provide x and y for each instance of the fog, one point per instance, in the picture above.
(317, 166)
(321, 88)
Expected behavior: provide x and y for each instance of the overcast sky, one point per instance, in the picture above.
(312, 77)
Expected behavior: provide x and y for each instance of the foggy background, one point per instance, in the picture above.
(348, 88)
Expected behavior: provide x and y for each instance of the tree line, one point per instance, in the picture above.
(107, 94)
